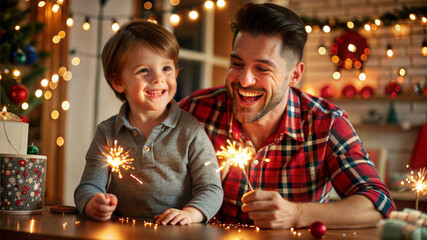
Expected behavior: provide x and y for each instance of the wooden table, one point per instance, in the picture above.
(47, 225)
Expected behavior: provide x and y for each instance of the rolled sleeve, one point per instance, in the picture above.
(351, 170)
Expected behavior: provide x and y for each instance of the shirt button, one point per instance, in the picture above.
(146, 149)
(134, 132)
(255, 162)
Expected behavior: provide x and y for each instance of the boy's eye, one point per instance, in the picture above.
(167, 68)
(144, 70)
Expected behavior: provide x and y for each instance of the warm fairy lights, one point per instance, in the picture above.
(117, 158)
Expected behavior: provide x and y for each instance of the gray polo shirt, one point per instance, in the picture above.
(170, 163)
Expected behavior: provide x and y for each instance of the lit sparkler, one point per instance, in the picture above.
(238, 157)
(418, 182)
(117, 158)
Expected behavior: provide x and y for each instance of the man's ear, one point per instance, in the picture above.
(117, 84)
(296, 74)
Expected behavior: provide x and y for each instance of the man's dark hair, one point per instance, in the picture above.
(271, 20)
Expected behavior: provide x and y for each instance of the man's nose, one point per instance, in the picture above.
(246, 78)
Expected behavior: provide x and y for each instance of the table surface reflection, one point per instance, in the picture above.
(47, 225)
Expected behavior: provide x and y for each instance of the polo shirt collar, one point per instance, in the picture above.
(170, 121)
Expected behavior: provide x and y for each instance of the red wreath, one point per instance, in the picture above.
(348, 59)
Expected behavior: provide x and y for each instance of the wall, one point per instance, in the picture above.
(411, 112)
(81, 90)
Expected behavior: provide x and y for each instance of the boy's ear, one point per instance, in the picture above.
(117, 84)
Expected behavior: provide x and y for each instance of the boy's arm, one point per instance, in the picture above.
(95, 174)
(207, 190)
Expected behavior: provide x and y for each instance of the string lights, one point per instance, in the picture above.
(394, 20)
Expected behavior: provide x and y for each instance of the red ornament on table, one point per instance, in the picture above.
(318, 229)
(18, 94)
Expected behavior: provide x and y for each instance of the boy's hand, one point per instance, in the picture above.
(101, 206)
(174, 216)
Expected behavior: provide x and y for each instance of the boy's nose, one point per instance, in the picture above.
(158, 78)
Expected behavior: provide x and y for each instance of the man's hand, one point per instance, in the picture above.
(269, 210)
(101, 206)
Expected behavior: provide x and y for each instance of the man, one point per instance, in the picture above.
(310, 143)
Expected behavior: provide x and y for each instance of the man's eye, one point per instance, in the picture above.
(262, 69)
(234, 64)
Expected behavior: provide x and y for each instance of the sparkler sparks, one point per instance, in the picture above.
(238, 157)
(137, 179)
(117, 158)
(418, 182)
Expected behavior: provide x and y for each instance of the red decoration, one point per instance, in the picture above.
(419, 153)
(349, 91)
(318, 229)
(393, 89)
(24, 119)
(327, 91)
(367, 92)
(18, 94)
(351, 49)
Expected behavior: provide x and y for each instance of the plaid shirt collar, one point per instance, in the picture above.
(291, 124)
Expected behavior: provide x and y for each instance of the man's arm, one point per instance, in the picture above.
(269, 210)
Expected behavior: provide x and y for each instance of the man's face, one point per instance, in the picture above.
(258, 78)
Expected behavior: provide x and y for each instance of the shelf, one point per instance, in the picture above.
(406, 195)
(415, 98)
(385, 126)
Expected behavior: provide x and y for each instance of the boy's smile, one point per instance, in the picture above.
(148, 80)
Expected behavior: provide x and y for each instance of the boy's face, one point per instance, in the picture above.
(148, 79)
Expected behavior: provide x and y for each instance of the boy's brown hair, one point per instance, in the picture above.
(128, 36)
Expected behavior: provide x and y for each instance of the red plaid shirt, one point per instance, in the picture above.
(314, 149)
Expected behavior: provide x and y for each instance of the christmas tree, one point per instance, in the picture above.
(21, 66)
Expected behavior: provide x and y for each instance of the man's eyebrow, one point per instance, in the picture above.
(233, 55)
(265, 61)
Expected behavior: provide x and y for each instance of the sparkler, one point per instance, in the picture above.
(238, 157)
(117, 158)
(418, 182)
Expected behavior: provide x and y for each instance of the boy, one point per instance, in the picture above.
(169, 146)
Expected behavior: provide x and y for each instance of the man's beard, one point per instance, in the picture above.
(239, 111)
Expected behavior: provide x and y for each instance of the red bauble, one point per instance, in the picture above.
(393, 88)
(349, 91)
(327, 91)
(18, 94)
(367, 92)
(24, 119)
(318, 229)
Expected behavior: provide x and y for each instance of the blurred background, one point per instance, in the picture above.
(366, 56)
